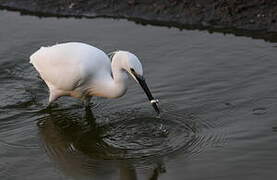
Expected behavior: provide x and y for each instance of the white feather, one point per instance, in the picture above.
(80, 70)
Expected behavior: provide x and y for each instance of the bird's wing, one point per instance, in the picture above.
(58, 68)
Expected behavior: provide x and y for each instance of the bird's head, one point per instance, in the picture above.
(132, 65)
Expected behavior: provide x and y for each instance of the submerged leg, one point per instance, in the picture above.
(50, 102)
(89, 118)
(49, 106)
(86, 101)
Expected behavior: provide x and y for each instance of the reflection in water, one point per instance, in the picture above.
(79, 148)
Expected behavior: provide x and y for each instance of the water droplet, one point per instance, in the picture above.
(163, 130)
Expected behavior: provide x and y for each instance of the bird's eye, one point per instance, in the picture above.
(132, 70)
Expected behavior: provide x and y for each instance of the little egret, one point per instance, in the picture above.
(81, 71)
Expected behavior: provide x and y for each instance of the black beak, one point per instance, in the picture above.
(144, 86)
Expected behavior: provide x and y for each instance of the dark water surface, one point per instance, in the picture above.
(218, 95)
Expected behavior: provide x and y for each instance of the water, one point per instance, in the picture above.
(218, 98)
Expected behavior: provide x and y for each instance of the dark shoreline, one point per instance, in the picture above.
(257, 18)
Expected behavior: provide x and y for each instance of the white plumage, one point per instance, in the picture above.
(81, 70)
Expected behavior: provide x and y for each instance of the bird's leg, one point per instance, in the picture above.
(49, 105)
(47, 108)
(90, 117)
(86, 101)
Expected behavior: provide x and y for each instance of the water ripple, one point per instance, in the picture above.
(133, 137)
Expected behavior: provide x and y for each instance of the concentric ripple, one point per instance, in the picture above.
(136, 138)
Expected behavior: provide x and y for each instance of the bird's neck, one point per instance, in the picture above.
(119, 83)
(112, 85)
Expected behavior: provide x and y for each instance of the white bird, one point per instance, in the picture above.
(81, 71)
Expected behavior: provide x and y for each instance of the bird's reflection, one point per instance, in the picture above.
(77, 146)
